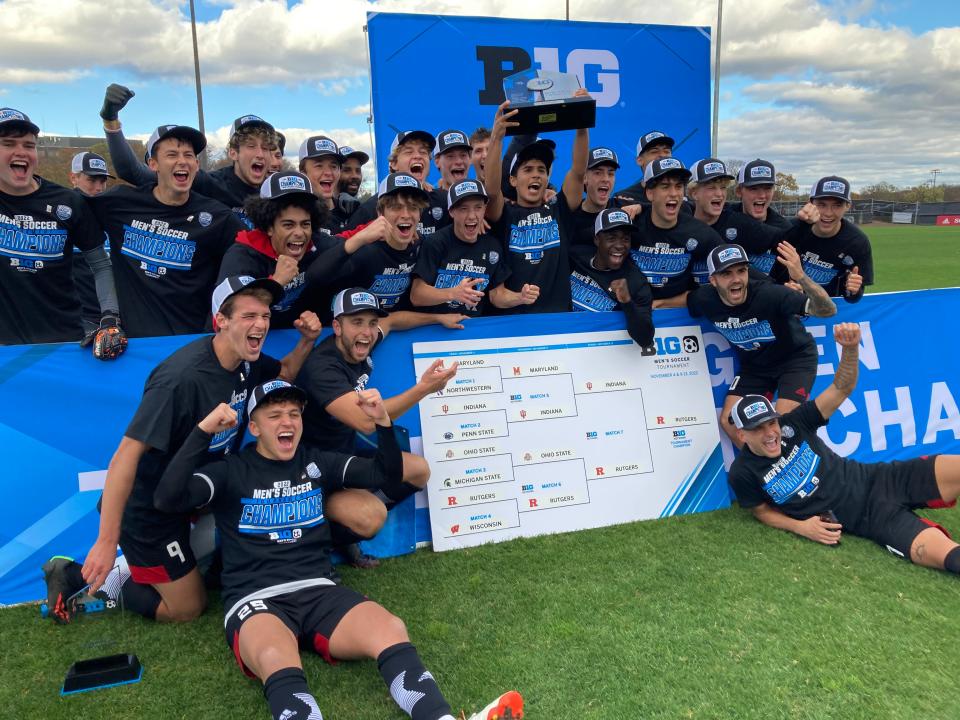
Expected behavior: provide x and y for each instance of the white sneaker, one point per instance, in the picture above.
(508, 706)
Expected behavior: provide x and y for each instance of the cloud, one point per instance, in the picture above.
(359, 110)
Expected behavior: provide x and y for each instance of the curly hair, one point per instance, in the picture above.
(263, 213)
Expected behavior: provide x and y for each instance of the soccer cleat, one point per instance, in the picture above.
(357, 557)
(60, 594)
(508, 706)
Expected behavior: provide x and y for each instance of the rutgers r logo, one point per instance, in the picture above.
(598, 70)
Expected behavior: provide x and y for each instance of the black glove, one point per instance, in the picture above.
(110, 341)
(114, 100)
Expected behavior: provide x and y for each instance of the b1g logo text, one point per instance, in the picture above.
(595, 68)
(677, 346)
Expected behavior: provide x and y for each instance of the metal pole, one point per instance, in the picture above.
(196, 73)
(568, 9)
(716, 80)
(935, 172)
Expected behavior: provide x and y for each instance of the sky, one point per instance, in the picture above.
(867, 90)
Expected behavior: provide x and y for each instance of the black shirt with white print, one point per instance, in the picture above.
(38, 233)
(445, 261)
(226, 187)
(179, 393)
(807, 479)
(758, 239)
(383, 271)
(828, 261)
(673, 259)
(584, 223)
(165, 257)
(764, 330)
(433, 217)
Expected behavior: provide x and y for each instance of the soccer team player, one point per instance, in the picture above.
(285, 249)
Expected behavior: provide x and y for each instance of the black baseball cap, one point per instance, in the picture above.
(408, 135)
(91, 164)
(354, 300)
(285, 182)
(654, 137)
(181, 132)
(235, 283)
(450, 139)
(832, 186)
(540, 149)
(751, 411)
(275, 387)
(724, 256)
(602, 156)
(662, 167)
(395, 182)
(319, 146)
(10, 118)
(348, 152)
(757, 172)
(610, 219)
(465, 189)
(709, 169)
(247, 120)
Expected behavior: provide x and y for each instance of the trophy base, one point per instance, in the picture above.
(102, 672)
(552, 115)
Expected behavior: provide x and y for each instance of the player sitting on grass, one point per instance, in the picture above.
(278, 584)
(792, 481)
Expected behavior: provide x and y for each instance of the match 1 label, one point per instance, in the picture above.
(480, 380)
(564, 485)
(467, 474)
(470, 520)
(476, 426)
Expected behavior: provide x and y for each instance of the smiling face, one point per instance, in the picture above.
(413, 158)
(356, 334)
(756, 199)
(402, 210)
(531, 182)
(243, 323)
(763, 440)
(599, 184)
(665, 196)
(467, 216)
(710, 198)
(351, 176)
(276, 161)
(613, 247)
(479, 157)
(277, 426)
(18, 163)
(832, 211)
(176, 165)
(252, 156)
(89, 185)
(453, 165)
(290, 232)
(324, 174)
(652, 152)
(731, 284)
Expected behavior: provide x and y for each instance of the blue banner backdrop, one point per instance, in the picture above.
(427, 69)
(64, 412)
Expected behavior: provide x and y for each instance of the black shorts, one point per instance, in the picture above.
(896, 490)
(158, 553)
(790, 380)
(312, 614)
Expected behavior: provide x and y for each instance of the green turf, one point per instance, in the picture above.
(704, 616)
(910, 257)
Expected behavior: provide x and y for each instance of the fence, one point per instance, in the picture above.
(869, 210)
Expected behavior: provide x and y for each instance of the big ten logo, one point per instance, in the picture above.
(677, 346)
(598, 70)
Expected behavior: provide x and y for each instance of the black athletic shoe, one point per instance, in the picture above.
(60, 604)
(357, 557)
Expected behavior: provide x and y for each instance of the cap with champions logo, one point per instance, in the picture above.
(355, 300)
(288, 182)
(602, 156)
(91, 164)
(235, 283)
(398, 182)
(611, 219)
(724, 256)
(180, 132)
(654, 137)
(465, 189)
(273, 387)
(539, 149)
(248, 121)
(757, 172)
(450, 139)
(10, 118)
(832, 186)
(662, 167)
(751, 411)
(318, 146)
(703, 171)
(347, 152)
(405, 136)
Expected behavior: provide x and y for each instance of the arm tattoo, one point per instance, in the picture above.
(845, 379)
(820, 304)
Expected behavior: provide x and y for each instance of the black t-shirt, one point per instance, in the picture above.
(828, 261)
(165, 257)
(536, 241)
(758, 239)
(675, 259)
(584, 223)
(445, 261)
(326, 376)
(180, 392)
(335, 221)
(807, 479)
(764, 330)
(38, 233)
(226, 187)
(384, 271)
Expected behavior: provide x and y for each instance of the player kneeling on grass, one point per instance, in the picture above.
(791, 480)
(278, 586)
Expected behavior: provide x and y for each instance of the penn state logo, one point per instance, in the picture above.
(787, 431)
(205, 218)
(494, 257)
(731, 234)
(64, 212)
(436, 212)
(692, 244)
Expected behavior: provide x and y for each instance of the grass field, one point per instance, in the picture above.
(703, 616)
